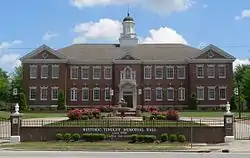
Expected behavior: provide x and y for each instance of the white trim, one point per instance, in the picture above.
(210, 66)
(200, 66)
(104, 74)
(44, 61)
(105, 96)
(71, 72)
(30, 75)
(41, 93)
(225, 70)
(84, 68)
(170, 67)
(96, 89)
(219, 51)
(150, 94)
(93, 70)
(54, 88)
(224, 88)
(203, 90)
(172, 89)
(210, 61)
(162, 73)
(127, 61)
(159, 89)
(182, 91)
(184, 71)
(211, 88)
(42, 73)
(147, 67)
(85, 89)
(73, 94)
(53, 73)
(32, 88)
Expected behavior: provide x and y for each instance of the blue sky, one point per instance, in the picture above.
(27, 24)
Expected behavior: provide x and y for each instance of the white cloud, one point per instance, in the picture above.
(240, 62)
(205, 6)
(158, 6)
(109, 30)
(6, 45)
(244, 14)
(48, 35)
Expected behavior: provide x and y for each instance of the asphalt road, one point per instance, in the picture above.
(75, 154)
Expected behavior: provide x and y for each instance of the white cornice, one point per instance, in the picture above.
(211, 61)
(45, 61)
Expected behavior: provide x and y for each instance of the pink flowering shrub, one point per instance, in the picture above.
(75, 114)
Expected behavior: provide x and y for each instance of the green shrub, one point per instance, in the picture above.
(67, 136)
(164, 137)
(181, 138)
(61, 101)
(133, 138)
(161, 117)
(140, 138)
(172, 138)
(149, 138)
(93, 137)
(76, 136)
(59, 136)
(85, 117)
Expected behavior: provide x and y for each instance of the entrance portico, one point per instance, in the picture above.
(128, 91)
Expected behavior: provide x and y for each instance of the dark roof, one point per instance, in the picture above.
(128, 18)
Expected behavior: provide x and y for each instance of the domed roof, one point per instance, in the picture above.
(128, 18)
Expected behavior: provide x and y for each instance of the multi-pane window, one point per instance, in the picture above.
(147, 72)
(32, 93)
(210, 71)
(96, 72)
(170, 72)
(55, 71)
(96, 94)
(73, 94)
(200, 93)
(223, 93)
(200, 71)
(44, 71)
(147, 94)
(159, 94)
(74, 72)
(43, 93)
(170, 94)
(107, 94)
(85, 94)
(85, 72)
(181, 70)
(211, 93)
(181, 94)
(107, 72)
(158, 72)
(33, 71)
(54, 93)
(222, 71)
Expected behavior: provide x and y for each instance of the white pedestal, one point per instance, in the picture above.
(14, 139)
(229, 139)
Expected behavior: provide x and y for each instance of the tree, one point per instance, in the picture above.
(4, 86)
(193, 103)
(233, 103)
(23, 102)
(246, 85)
(61, 101)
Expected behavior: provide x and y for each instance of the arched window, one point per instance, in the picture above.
(127, 73)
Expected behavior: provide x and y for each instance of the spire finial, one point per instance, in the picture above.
(128, 10)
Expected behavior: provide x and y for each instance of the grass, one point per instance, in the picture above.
(96, 146)
(6, 115)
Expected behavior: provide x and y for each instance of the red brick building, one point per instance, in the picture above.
(142, 74)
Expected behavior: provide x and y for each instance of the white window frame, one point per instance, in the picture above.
(200, 88)
(33, 75)
(71, 72)
(96, 89)
(83, 90)
(167, 72)
(209, 88)
(147, 98)
(52, 95)
(150, 72)
(44, 76)
(94, 69)
(106, 68)
(225, 73)
(46, 93)
(73, 94)
(30, 94)
(181, 94)
(172, 89)
(159, 67)
(54, 76)
(161, 92)
(184, 72)
(107, 91)
(211, 66)
(83, 68)
(224, 88)
(197, 67)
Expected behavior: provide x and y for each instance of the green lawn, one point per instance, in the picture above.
(5, 115)
(96, 146)
(210, 114)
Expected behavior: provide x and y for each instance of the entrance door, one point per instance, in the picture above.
(129, 100)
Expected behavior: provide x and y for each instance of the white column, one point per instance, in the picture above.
(134, 97)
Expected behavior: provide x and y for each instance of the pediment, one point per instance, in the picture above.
(127, 57)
